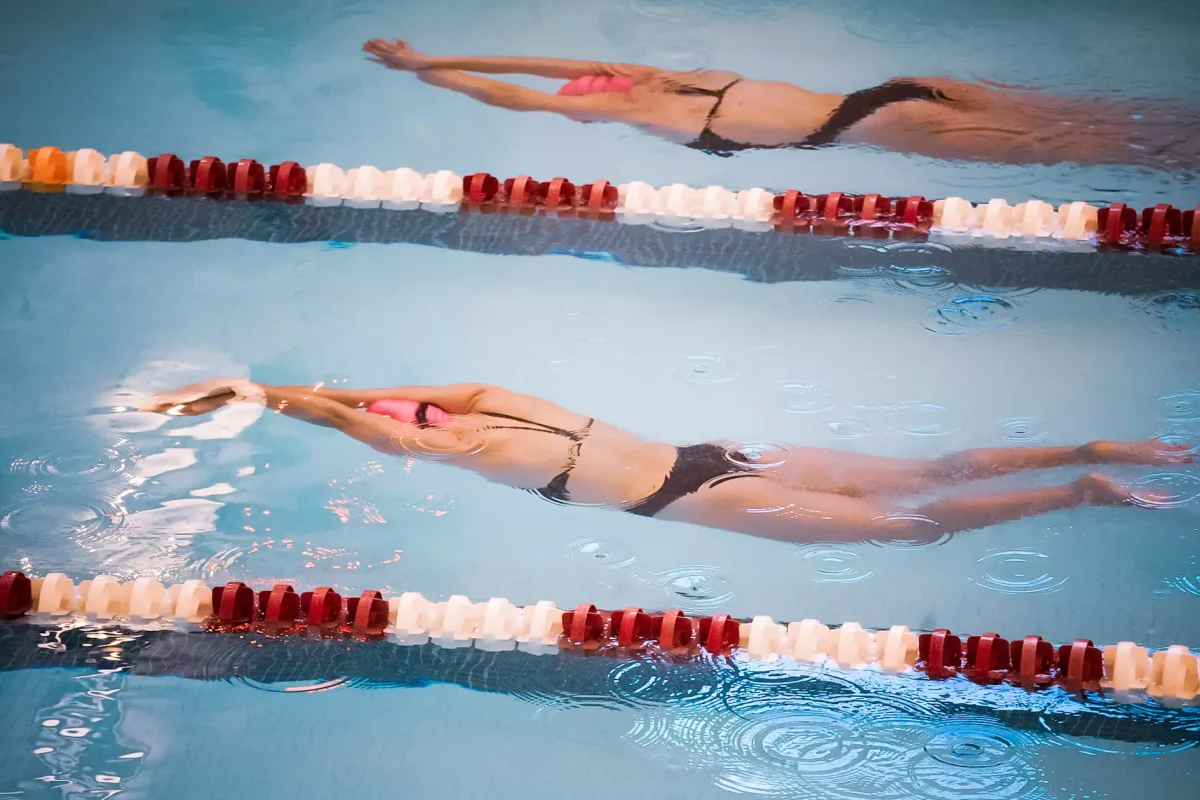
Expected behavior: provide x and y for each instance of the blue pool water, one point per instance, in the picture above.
(898, 352)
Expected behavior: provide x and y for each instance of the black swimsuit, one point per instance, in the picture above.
(854, 109)
(695, 466)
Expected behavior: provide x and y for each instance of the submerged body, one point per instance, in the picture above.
(805, 494)
(722, 113)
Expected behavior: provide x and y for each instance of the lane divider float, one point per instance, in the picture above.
(1158, 228)
(1124, 670)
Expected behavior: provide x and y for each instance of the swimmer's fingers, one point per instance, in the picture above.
(201, 398)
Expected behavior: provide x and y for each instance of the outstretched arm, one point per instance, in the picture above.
(400, 55)
(590, 107)
(457, 398)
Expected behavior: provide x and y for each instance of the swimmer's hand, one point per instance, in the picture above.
(201, 398)
(397, 55)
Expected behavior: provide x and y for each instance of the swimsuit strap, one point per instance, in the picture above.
(556, 490)
(540, 427)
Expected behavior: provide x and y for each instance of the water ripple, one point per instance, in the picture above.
(707, 368)
(693, 588)
(848, 427)
(1175, 311)
(805, 398)
(1165, 489)
(834, 564)
(1024, 430)
(970, 315)
(757, 455)
(598, 554)
(1017, 571)
(1183, 406)
(974, 757)
(80, 459)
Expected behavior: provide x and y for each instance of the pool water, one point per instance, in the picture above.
(896, 351)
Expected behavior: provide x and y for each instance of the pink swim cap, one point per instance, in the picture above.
(410, 411)
(596, 84)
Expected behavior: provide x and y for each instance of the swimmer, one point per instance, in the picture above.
(722, 113)
(803, 495)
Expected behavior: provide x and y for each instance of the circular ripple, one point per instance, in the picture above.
(971, 315)
(757, 455)
(598, 554)
(651, 682)
(682, 227)
(1017, 571)
(46, 517)
(1176, 445)
(833, 564)
(848, 427)
(1165, 489)
(1024, 430)
(913, 544)
(677, 11)
(1180, 406)
(695, 587)
(1174, 311)
(86, 459)
(924, 419)
(290, 687)
(707, 368)
(979, 758)
(805, 398)
(920, 281)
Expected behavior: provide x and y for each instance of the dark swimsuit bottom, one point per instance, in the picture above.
(695, 466)
(854, 109)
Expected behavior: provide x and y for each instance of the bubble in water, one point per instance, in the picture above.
(1174, 311)
(757, 455)
(834, 564)
(598, 554)
(1017, 571)
(1180, 406)
(805, 398)
(848, 427)
(707, 368)
(1024, 430)
(1165, 489)
(694, 587)
(970, 315)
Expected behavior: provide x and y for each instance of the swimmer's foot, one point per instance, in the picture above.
(1150, 452)
(1100, 490)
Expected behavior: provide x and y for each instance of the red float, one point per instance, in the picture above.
(791, 205)
(1080, 665)
(719, 633)
(599, 196)
(246, 178)
(480, 188)
(368, 613)
(559, 193)
(939, 653)
(987, 658)
(674, 630)
(1159, 223)
(280, 605)
(1032, 661)
(915, 211)
(585, 626)
(523, 191)
(16, 594)
(287, 181)
(834, 206)
(1114, 222)
(322, 607)
(872, 207)
(633, 627)
(166, 173)
(206, 175)
(1191, 228)
(233, 604)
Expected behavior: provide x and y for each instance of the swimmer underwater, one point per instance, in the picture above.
(804, 494)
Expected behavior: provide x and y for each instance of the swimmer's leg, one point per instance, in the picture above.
(765, 508)
(858, 475)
